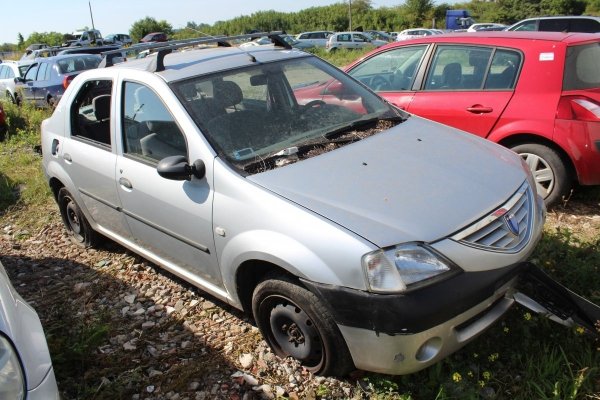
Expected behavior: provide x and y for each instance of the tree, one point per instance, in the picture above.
(20, 41)
(562, 7)
(416, 11)
(141, 28)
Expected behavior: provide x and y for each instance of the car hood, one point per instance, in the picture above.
(419, 181)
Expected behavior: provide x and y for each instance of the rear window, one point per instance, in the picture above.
(78, 63)
(581, 67)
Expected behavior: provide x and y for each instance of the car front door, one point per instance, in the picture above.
(171, 220)
(28, 87)
(392, 73)
(467, 87)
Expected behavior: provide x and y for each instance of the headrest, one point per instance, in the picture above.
(227, 93)
(101, 106)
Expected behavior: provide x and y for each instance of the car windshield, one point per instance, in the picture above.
(81, 63)
(254, 113)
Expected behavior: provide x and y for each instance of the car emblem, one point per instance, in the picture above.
(512, 224)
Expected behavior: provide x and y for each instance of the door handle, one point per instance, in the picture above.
(67, 157)
(54, 148)
(477, 109)
(126, 183)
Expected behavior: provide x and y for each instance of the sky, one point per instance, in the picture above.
(117, 16)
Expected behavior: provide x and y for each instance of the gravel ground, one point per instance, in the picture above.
(118, 328)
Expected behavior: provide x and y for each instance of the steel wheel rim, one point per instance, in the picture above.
(291, 331)
(73, 219)
(542, 173)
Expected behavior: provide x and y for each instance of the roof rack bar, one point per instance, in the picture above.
(222, 41)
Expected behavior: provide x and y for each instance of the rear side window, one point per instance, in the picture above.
(91, 112)
(585, 25)
(581, 67)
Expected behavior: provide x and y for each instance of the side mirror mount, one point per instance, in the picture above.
(177, 168)
(335, 88)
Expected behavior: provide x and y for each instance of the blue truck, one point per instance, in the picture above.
(458, 19)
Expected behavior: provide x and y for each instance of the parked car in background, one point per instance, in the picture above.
(569, 23)
(25, 366)
(415, 32)
(88, 49)
(118, 38)
(291, 40)
(536, 93)
(3, 124)
(351, 41)
(87, 38)
(316, 39)
(210, 163)
(9, 70)
(154, 37)
(380, 35)
(486, 25)
(46, 79)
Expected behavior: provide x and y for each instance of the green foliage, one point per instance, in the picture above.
(49, 38)
(142, 27)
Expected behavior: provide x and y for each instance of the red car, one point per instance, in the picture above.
(154, 37)
(537, 93)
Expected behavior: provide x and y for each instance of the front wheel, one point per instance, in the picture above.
(549, 171)
(75, 222)
(296, 323)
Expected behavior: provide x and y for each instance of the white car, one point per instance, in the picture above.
(315, 39)
(9, 70)
(485, 26)
(352, 41)
(26, 371)
(415, 32)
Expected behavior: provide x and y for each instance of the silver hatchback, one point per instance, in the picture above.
(356, 235)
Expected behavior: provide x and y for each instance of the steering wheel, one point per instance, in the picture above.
(311, 104)
(379, 83)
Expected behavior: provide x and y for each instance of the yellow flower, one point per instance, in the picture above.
(527, 316)
(580, 330)
(506, 329)
(487, 375)
(493, 357)
(456, 377)
(481, 383)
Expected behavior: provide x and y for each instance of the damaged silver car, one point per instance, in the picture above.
(356, 235)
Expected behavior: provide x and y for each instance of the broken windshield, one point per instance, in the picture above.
(252, 113)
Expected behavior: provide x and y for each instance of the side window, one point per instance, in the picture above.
(32, 72)
(503, 71)
(357, 37)
(527, 26)
(584, 25)
(392, 70)
(554, 25)
(344, 38)
(9, 73)
(3, 72)
(451, 69)
(90, 112)
(150, 131)
(42, 71)
(304, 36)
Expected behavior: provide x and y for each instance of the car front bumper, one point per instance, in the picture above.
(404, 333)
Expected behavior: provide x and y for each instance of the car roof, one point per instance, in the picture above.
(64, 57)
(561, 17)
(503, 36)
(184, 64)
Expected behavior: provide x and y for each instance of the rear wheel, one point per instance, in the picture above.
(75, 222)
(549, 171)
(296, 323)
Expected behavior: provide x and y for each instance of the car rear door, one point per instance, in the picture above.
(467, 87)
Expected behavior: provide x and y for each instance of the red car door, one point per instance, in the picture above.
(467, 87)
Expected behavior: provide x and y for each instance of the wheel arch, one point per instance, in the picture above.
(526, 138)
(250, 273)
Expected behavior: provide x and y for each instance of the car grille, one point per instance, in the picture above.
(507, 229)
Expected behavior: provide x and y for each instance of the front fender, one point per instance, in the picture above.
(274, 248)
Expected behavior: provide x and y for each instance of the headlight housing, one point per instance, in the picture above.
(404, 267)
(12, 381)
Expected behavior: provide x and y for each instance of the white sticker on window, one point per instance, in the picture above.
(546, 56)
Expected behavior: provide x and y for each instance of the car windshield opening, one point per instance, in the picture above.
(253, 114)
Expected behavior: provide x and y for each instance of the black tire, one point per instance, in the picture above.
(77, 225)
(296, 323)
(548, 169)
(51, 101)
